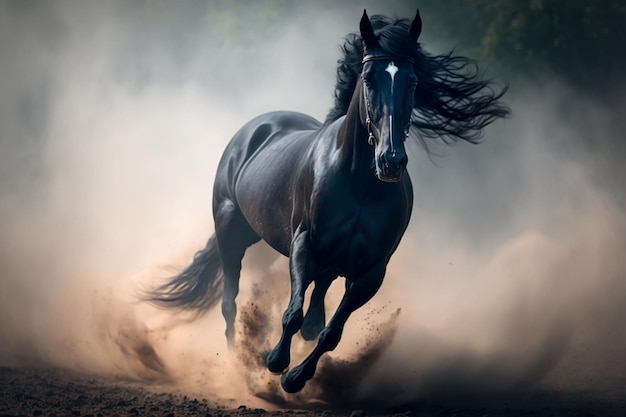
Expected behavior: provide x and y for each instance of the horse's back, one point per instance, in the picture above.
(257, 134)
(271, 126)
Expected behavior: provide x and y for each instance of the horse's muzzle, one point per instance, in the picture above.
(390, 167)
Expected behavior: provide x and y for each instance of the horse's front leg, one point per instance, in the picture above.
(315, 317)
(300, 266)
(358, 292)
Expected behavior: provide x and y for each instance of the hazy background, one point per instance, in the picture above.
(113, 116)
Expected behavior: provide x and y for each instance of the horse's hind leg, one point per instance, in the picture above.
(315, 318)
(358, 292)
(300, 267)
(234, 236)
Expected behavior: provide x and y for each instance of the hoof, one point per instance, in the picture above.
(294, 380)
(276, 363)
(292, 385)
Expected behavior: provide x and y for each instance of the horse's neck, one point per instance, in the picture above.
(354, 150)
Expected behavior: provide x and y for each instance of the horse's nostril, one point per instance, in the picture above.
(383, 159)
(396, 160)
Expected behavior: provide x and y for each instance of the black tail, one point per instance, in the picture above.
(198, 287)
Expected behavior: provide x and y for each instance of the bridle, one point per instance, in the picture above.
(371, 139)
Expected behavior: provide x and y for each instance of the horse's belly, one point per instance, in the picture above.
(265, 197)
(268, 214)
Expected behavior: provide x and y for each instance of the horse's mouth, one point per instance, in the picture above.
(391, 179)
(390, 172)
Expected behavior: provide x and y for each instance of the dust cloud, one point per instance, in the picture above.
(112, 120)
(512, 273)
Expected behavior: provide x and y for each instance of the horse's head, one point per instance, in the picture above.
(389, 83)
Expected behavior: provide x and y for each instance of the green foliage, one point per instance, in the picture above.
(580, 41)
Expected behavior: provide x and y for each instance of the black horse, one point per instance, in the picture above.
(333, 197)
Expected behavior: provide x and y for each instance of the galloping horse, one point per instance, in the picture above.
(334, 197)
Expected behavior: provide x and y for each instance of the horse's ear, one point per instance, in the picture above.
(416, 26)
(367, 31)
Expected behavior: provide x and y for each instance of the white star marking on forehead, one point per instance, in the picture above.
(392, 69)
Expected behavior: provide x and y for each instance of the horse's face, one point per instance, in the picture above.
(388, 85)
(388, 88)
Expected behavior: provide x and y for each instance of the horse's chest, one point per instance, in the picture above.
(353, 238)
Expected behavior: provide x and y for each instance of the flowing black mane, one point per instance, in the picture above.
(451, 100)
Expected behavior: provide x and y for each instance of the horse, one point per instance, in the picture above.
(335, 197)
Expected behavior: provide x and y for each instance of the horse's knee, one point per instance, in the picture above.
(292, 320)
(329, 339)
